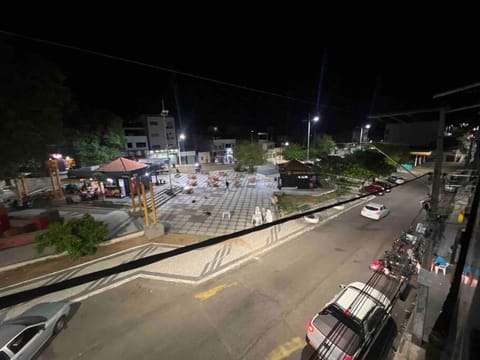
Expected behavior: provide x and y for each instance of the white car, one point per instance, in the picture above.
(23, 336)
(374, 211)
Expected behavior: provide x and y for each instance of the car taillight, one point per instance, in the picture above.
(310, 327)
(378, 212)
(347, 357)
(347, 313)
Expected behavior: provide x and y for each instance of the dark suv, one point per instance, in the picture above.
(385, 185)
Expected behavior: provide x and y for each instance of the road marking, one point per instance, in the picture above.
(285, 350)
(213, 291)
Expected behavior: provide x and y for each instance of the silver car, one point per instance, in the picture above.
(23, 336)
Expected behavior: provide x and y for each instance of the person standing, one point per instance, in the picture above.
(227, 184)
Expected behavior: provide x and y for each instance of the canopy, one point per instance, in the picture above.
(122, 166)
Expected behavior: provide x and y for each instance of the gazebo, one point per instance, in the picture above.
(298, 175)
(119, 173)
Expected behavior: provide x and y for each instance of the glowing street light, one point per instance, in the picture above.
(180, 139)
(315, 119)
(361, 132)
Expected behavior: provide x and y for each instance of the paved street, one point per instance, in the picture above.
(256, 311)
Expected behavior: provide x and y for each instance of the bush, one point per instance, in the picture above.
(78, 237)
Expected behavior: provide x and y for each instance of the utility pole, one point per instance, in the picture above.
(437, 170)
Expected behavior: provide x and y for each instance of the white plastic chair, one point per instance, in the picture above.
(442, 267)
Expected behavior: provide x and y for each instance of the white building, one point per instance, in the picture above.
(161, 132)
(136, 140)
(222, 151)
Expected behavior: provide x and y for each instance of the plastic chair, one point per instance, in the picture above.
(442, 267)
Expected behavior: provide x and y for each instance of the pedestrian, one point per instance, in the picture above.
(227, 184)
(436, 261)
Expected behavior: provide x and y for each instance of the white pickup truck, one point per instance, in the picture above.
(348, 325)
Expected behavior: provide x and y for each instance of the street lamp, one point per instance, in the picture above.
(164, 114)
(361, 132)
(180, 139)
(315, 119)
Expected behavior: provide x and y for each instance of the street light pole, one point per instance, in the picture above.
(164, 114)
(316, 118)
(181, 138)
(361, 132)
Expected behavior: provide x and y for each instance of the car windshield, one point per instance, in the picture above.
(371, 208)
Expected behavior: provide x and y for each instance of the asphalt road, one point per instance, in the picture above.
(256, 311)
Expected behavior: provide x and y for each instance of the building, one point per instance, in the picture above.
(417, 134)
(161, 132)
(136, 140)
(223, 150)
(152, 134)
(294, 174)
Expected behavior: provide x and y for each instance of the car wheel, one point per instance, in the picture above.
(59, 325)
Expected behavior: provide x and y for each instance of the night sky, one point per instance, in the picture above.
(357, 80)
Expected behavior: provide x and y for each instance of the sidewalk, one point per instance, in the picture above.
(440, 283)
(191, 267)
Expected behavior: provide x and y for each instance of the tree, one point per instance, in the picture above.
(399, 153)
(372, 161)
(33, 101)
(79, 237)
(100, 140)
(294, 152)
(323, 146)
(249, 155)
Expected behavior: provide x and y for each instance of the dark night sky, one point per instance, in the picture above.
(357, 79)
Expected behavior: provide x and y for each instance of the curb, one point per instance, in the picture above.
(49, 257)
(260, 251)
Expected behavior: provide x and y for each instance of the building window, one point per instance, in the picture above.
(153, 123)
(141, 145)
(129, 145)
(155, 135)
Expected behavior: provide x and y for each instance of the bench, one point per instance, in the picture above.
(442, 267)
(303, 207)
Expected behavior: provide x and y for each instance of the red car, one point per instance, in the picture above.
(374, 189)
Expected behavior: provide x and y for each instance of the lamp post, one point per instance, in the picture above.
(164, 114)
(180, 139)
(315, 119)
(361, 132)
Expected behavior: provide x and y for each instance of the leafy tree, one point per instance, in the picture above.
(100, 142)
(399, 153)
(372, 161)
(323, 146)
(79, 237)
(249, 155)
(356, 171)
(294, 152)
(33, 101)
(334, 165)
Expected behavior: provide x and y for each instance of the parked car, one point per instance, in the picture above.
(23, 336)
(396, 180)
(374, 211)
(385, 185)
(349, 324)
(374, 189)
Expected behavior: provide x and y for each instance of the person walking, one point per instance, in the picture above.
(227, 184)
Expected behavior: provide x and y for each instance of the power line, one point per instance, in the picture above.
(156, 67)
